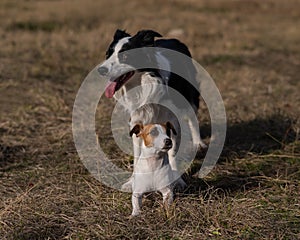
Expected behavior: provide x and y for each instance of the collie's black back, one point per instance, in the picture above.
(177, 82)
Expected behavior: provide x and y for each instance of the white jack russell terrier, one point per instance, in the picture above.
(152, 171)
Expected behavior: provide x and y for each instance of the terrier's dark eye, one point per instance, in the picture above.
(154, 132)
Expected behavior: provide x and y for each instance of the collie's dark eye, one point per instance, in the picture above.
(123, 57)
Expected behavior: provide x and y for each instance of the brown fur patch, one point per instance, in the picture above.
(146, 136)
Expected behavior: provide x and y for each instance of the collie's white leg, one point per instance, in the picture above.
(127, 187)
(196, 138)
(176, 177)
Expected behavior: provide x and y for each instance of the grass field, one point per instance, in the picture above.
(250, 48)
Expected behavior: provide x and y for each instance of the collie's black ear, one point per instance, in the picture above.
(146, 37)
(169, 128)
(119, 34)
(136, 130)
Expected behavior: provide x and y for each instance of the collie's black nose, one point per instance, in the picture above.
(102, 70)
(168, 142)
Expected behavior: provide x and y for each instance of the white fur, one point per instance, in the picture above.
(152, 172)
(135, 103)
(115, 68)
(151, 89)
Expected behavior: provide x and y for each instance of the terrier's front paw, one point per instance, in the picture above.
(134, 213)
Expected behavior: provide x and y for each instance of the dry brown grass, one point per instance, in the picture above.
(251, 49)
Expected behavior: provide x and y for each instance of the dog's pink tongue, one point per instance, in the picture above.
(110, 90)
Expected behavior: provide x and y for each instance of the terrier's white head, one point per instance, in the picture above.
(156, 136)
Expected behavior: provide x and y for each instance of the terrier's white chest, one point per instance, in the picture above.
(147, 180)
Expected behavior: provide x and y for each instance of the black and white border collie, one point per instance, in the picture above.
(119, 69)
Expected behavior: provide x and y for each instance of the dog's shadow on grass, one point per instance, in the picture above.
(259, 137)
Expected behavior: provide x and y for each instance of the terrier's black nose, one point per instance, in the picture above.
(102, 70)
(168, 142)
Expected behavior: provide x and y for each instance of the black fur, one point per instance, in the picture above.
(169, 128)
(136, 130)
(119, 34)
(181, 85)
(146, 38)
